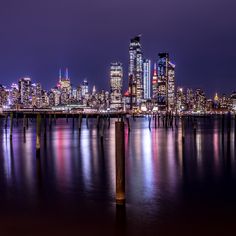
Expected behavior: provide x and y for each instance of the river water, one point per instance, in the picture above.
(172, 188)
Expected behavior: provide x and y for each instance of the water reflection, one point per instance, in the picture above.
(76, 171)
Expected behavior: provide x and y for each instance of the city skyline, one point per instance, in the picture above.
(87, 40)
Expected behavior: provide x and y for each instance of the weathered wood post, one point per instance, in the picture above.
(80, 121)
(27, 122)
(45, 128)
(55, 118)
(183, 129)
(38, 135)
(222, 127)
(11, 126)
(73, 121)
(120, 162)
(6, 119)
(195, 126)
(109, 121)
(235, 128)
(50, 121)
(24, 126)
(149, 122)
(98, 121)
(17, 122)
(128, 123)
(155, 119)
(87, 121)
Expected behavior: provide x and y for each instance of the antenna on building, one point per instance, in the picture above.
(67, 73)
(155, 69)
(60, 74)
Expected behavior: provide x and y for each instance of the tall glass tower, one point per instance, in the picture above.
(147, 79)
(166, 83)
(116, 81)
(136, 70)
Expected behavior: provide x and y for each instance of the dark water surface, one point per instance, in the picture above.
(171, 188)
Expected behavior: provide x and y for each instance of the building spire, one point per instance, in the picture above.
(60, 74)
(67, 73)
(155, 69)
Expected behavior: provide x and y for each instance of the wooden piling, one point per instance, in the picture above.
(6, 119)
(120, 162)
(24, 127)
(38, 134)
(11, 126)
(183, 129)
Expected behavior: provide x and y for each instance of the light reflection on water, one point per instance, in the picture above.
(75, 167)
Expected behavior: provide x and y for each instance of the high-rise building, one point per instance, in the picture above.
(135, 71)
(37, 95)
(155, 83)
(116, 81)
(166, 82)
(84, 88)
(14, 95)
(25, 91)
(64, 86)
(147, 79)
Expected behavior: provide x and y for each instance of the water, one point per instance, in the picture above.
(171, 188)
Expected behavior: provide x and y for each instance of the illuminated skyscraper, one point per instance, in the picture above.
(25, 91)
(37, 95)
(64, 86)
(155, 83)
(147, 79)
(84, 88)
(136, 70)
(116, 81)
(166, 83)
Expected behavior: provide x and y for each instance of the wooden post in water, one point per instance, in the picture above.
(183, 130)
(55, 118)
(109, 121)
(80, 121)
(120, 162)
(223, 127)
(73, 121)
(195, 127)
(11, 126)
(45, 128)
(6, 119)
(38, 135)
(27, 122)
(228, 125)
(50, 121)
(155, 119)
(128, 123)
(98, 120)
(235, 128)
(17, 123)
(24, 126)
(87, 121)
(149, 121)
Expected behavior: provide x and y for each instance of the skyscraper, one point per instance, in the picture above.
(166, 83)
(25, 91)
(147, 79)
(84, 88)
(116, 81)
(64, 87)
(155, 83)
(136, 70)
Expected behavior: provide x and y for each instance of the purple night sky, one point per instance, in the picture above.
(39, 37)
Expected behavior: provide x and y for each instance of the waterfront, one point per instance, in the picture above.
(171, 188)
